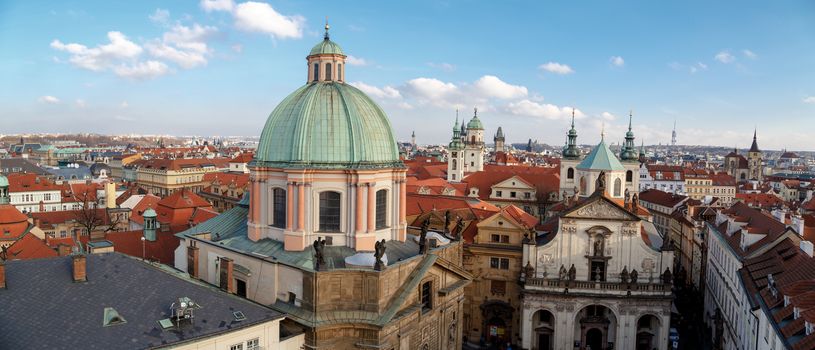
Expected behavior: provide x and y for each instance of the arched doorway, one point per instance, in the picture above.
(595, 328)
(594, 339)
(497, 317)
(543, 325)
(647, 332)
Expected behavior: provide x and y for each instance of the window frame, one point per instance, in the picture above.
(426, 296)
(279, 208)
(381, 209)
(324, 215)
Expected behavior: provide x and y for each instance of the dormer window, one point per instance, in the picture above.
(786, 300)
(810, 328)
(796, 312)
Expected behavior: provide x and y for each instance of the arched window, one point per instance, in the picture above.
(279, 207)
(316, 71)
(329, 211)
(570, 173)
(629, 176)
(339, 71)
(618, 185)
(328, 71)
(455, 164)
(583, 185)
(472, 139)
(381, 209)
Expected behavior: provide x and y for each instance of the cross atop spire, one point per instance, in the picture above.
(572, 117)
(327, 27)
(475, 112)
(630, 117)
(603, 131)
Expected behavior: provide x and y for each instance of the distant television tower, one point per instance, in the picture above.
(673, 136)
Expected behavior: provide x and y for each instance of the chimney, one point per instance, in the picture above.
(797, 224)
(227, 268)
(192, 260)
(806, 246)
(779, 215)
(2, 274)
(79, 268)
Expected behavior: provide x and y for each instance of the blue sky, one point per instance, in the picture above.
(718, 69)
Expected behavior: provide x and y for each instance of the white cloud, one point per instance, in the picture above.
(185, 46)
(617, 61)
(724, 57)
(48, 99)
(749, 54)
(160, 16)
(124, 104)
(557, 68)
(101, 57)
(492, 86)
(356, 61)
(81, 103)
(142, 70)
(447, 67)
(809, 99)
(608, 116)
(237, 48)
(124, 118)
(217, 5)
(260, 17)
(386, 92)
(431, 90)
(542, 110)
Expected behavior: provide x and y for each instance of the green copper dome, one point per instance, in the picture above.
(327, 125)
(3, 181)
(475, 124)
(326, 47)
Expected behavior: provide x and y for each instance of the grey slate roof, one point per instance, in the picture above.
(44, 309)
(20, 165)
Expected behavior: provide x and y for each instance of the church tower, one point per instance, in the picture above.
(474, 149)
(499, 141)
(568, 164)
(630, 159)
(754, 159)
(455, 155)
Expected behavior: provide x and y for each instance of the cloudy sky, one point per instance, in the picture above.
(219, 67)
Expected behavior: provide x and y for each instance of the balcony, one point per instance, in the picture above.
(553, 285)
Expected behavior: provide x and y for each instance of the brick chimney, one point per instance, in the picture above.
(63, 249)
(79, 262)
(2, 274)
(192, 259)
(227, 269)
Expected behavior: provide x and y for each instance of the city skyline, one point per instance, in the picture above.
(220, 67)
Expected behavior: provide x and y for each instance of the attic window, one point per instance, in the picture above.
(239, 316)
(112, 318)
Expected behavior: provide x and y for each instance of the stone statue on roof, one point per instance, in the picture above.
(600, 184)
(447, 219)
(634, 276)
(319, 257)
(572, 273)
(423, 238)
(562, 274)
(459, 227)
(379, 252)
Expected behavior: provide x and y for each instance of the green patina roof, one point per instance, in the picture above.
(326, 47)
(328, 125)
(3, 181)
(601, 158)
(475, 123)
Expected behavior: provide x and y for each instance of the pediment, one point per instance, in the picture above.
(600, 208)
(514, 182)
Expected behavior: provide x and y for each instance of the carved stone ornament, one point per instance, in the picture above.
(569, 228)
(600, 210)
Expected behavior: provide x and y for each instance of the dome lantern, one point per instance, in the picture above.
(326, 61)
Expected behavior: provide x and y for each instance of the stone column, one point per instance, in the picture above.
(301, 206)
(371, 207)
(402, 201)
(289, 206)
(359, 223)
(526, 328)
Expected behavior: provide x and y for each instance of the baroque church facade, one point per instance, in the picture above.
(598, 275)
(322, 235)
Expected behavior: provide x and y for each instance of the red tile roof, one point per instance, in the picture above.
(664, 199)
(545, 180)
(178, 164)
(13, 223)
(435, 185)
(26, 182)
(755, 221)
(29, 247)
(243, 158)
(149, 201)
(760, 200)
(669, 172)
(130, 243)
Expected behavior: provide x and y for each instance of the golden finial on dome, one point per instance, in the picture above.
(327, 27)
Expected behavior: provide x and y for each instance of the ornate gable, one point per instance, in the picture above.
(515, 182)
(599, 207)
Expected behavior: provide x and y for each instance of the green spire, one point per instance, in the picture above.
(571, 151)
(628, 151)
(455, 142)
